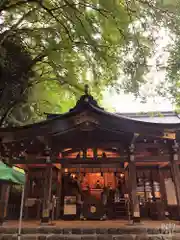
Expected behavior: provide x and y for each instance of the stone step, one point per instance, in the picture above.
(88, 231)
(90, 237)
(127, 232)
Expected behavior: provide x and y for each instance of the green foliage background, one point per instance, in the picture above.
(76, 42)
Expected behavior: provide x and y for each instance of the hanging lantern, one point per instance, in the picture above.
(121, 175)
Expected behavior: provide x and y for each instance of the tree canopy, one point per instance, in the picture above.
(15, 72)
(69, 43)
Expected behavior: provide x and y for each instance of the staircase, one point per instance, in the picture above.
(120, 209)
(78, 233)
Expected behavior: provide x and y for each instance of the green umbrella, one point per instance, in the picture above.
(10, 175)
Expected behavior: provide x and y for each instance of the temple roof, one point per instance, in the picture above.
(87, 125)
(86, 117)
(154, 117)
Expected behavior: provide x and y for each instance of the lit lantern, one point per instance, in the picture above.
(121, 175)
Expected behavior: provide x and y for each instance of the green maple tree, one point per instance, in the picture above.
(73, 43)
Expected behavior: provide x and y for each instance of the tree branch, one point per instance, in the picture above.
(16, 5)
(57, 20)
(10, 31)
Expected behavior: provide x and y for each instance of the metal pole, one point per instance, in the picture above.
(21, 213)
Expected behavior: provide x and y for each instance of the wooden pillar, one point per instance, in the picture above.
(126, 181)
(4, 195)
(59, 194)
(133, 186)
(175, 171)
(157, 207)
(4, 202)
(152, 185)
(162, 187)
(46, 208)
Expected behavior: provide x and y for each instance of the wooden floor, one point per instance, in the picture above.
(92, 224)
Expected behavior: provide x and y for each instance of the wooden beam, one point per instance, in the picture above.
(88, 160)
(59, 146)
(100, 165)
(140, 147)
(164, 165)
(139, 144)
(65, 152)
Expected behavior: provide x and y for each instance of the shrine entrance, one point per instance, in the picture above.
(97, 195)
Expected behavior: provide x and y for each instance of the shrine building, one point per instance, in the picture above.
(91, 164)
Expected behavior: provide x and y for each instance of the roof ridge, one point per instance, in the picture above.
(148, 114)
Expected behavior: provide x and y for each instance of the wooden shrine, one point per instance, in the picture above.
(73, 160)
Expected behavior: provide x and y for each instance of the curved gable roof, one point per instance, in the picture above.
(85, 111)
